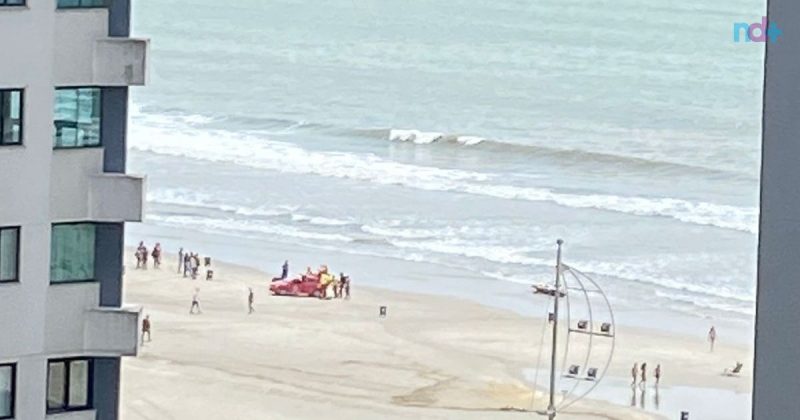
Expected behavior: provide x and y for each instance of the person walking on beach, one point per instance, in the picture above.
(196, 302)
(141, 251)
(635, 373)
(144, 255)
(157, 255)
(657, 374)
(146, 328)
(250, 300)
(643, 381)
(138, 255)
(180, 260)
(712, 337)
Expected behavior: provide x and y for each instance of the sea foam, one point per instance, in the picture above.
(250, 150)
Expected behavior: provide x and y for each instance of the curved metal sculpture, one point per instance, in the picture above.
(568, 281)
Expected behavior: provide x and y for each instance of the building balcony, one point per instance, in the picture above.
(120, 62)
(86, 56)
(80, 190)
(116, 197)
(77, 324)
(112, 330)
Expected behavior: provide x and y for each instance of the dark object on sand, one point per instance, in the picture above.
(583, 324)
(382, 312)
(605, 328)
(591, 374)
(684, 415)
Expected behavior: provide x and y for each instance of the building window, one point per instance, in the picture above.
(8, 384)
(69, 385)
(12, 3)
(77, 117)
(10, 114)
(67, 4)
(72, 252)
(9, 254)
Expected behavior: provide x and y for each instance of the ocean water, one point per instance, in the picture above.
(464, 135)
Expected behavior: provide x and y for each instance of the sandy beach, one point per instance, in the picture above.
(432, 357)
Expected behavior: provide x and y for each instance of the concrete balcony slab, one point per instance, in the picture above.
(116, 197)
(120, 62)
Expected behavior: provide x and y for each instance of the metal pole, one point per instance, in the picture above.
(551, 409)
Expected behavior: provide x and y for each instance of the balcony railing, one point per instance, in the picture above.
(112, 330)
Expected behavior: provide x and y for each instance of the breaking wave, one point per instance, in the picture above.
(258, 152)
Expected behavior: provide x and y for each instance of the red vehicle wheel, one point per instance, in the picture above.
(295, 289)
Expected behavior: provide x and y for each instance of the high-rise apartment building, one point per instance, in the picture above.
(65, 69)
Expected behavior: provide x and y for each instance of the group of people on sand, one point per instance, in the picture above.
(642, 380)
(340, 286)
(329, 283)
(639, 373)
(142, 256)
(189, 264)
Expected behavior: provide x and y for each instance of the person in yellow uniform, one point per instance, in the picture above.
(325, 279)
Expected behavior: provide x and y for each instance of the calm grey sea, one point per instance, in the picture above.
(459, 139)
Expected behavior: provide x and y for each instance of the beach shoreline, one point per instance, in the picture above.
(432, 357)
(402, 275)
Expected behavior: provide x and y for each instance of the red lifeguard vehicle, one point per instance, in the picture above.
(306, 286)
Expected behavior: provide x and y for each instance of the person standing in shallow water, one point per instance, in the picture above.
(635, 373)
(657, 374)
(643, 382)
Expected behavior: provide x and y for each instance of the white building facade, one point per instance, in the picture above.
(65, 69)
